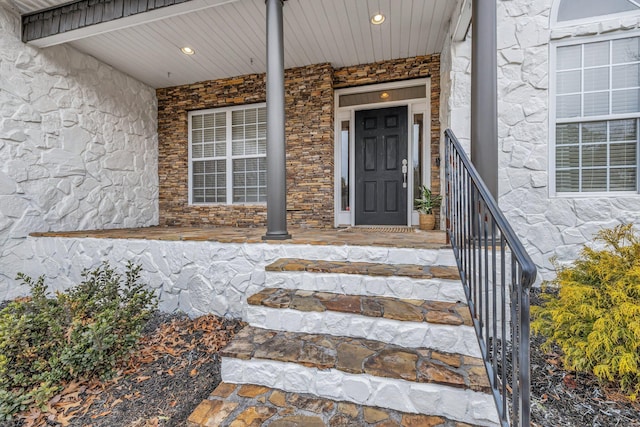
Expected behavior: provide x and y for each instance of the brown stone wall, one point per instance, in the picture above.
(309, 134)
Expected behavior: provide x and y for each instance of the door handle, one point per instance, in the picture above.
(405, 169)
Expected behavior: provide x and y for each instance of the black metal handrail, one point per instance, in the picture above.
(497, 274)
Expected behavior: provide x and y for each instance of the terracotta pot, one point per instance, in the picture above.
(427, 221)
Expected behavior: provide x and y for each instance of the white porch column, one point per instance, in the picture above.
(484, 92)
(276, 144)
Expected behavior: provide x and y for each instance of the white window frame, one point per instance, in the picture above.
(414, 106)
(554, 45)
(229, 157)
(576, 22)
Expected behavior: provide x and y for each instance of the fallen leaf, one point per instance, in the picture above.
(101, 414)
(193, 372)
(569, 382)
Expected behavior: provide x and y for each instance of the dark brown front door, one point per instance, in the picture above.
(381, 147)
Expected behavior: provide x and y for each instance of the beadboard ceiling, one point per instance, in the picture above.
(229, 39)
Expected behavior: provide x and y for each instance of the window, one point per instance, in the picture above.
(597, 106)
(228, 155)
(344, 170)
(569, 10)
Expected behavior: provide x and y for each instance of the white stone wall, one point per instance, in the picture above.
(78, 146)
(455, 87)
(192, 276)
(549, 226)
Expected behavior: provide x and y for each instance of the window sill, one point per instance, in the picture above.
(594, 195)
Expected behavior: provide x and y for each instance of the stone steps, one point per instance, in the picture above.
(250, 405)
(408, 281)
(444, 326)
(368, 268)
(381, 330)
(367, 372)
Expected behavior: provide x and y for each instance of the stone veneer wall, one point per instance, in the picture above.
(309, 130)
(200, 277)
(309, 133)
(78, 147)
(548, 225)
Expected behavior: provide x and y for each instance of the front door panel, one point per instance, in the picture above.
(381, 147)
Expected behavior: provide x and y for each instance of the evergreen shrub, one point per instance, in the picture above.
(592, 310)
(82, 333)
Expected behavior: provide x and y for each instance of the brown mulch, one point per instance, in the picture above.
(177, 366)
(174, 369)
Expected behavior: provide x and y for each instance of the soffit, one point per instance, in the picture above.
(229, 39)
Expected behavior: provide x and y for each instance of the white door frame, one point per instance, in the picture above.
(414, 106)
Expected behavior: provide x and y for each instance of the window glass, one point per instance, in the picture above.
(228, 155)
(418, 126)
(579, 9)
(344, 169)
(597, 156)
(597, 96)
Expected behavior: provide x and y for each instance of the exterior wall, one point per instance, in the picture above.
(198, 277)
(549, 226)
(78, 147)
(455, 90)
(309, 132)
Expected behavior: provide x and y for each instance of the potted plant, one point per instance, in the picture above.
(425, 205)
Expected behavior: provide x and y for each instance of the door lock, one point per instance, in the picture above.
(405, 169)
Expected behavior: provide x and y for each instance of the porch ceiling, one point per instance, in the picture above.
(229, 38)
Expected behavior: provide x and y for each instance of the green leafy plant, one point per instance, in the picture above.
(592, 310)
(427, 201)
(84, 332)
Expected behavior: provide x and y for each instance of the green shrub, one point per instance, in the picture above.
(82, 333)
(593, 311)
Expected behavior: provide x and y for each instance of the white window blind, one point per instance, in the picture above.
(597, 111)
(228, 149)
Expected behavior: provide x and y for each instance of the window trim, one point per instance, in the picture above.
(229, 157)
(590, 20)
(552, 91)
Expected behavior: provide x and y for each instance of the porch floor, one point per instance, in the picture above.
(300, 236)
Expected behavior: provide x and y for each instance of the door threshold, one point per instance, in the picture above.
(381, 229)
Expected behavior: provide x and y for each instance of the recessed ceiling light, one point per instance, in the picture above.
(377, 19)
(187, 50)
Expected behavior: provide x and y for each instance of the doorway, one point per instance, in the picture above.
(381, 166)
(377, 127)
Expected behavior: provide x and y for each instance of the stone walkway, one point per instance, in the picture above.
(253, 406)
(301, 236)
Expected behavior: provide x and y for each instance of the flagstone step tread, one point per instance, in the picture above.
(360, 356)
(251, 405)
(439, 312)
(366, 268)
